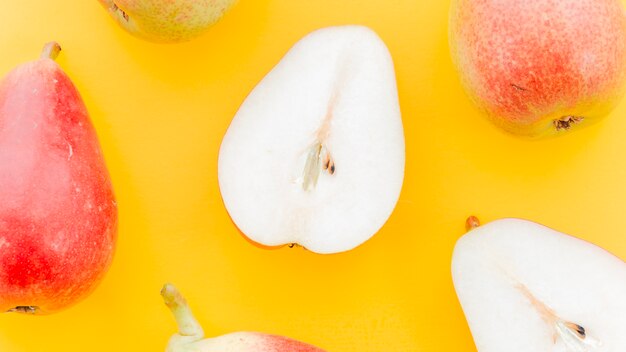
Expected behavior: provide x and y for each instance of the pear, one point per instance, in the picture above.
(167, 21)
(190, 336)
(525, 287)
(315, 154)
(58, 215)
(540, 68)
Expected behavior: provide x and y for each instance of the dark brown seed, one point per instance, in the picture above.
(581, 331)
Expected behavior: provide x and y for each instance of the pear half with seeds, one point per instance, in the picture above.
(525, 287)
(315, 155)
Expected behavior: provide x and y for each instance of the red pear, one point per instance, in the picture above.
(538, 68)
(58, 215)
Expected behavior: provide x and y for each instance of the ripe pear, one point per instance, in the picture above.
(525, 287)
(58, 215)
(190, 336)
(167, 21)
(315, 154)
(539, 68)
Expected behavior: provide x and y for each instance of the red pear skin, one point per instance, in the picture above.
(58, 215)
(540, 67)
(274, 343)
(258, 342)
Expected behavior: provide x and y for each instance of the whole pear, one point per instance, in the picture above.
(190, 336)
(167, 20)
(58, 215)
(538, 68)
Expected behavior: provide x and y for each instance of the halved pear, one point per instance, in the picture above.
(315, 155)
(526, 287)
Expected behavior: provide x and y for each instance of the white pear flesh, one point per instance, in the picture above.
(315, 154)
(526, 287)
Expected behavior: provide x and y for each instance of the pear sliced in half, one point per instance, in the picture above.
(527, 288)
(315, 155)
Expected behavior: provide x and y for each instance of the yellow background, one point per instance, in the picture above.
(161, 111)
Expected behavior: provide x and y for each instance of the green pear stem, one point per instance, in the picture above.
(187, 323)
(51, 51)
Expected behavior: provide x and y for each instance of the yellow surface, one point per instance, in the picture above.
(161, 112)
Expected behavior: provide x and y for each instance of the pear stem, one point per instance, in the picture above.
(187, 324)
(471, 223)
(51, 51)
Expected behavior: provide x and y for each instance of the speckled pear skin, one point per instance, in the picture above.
(530, 64)
(167, 21)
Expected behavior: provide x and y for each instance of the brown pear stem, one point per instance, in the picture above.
(187, 324)
(471, 223)
(51, 51)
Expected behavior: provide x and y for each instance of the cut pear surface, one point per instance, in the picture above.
(315, 154)
(526, 287)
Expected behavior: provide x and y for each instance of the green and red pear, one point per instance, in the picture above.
(190, 336)
(167, 21)
(542, 67)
